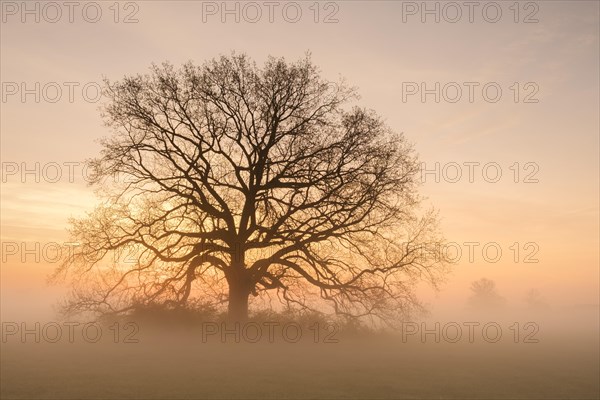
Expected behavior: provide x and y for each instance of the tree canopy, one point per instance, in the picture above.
(232, 180)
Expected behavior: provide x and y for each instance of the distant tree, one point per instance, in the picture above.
(236, 180)
(485, 295)
(535, 300)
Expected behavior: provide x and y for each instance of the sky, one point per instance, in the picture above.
(540, 132)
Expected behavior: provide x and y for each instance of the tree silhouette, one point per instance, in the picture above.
(233, 180)
(485, 295)
(535, 301)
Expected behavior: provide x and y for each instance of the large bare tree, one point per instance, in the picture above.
(238, 180)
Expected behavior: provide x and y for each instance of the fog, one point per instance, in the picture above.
(513, 171)
(555, 356)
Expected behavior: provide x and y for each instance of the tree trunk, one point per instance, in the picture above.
(239, 291)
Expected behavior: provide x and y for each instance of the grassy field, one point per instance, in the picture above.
(177, 365)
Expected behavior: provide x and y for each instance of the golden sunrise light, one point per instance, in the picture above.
(309, 199)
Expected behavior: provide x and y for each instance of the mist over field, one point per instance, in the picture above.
(555, 358)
